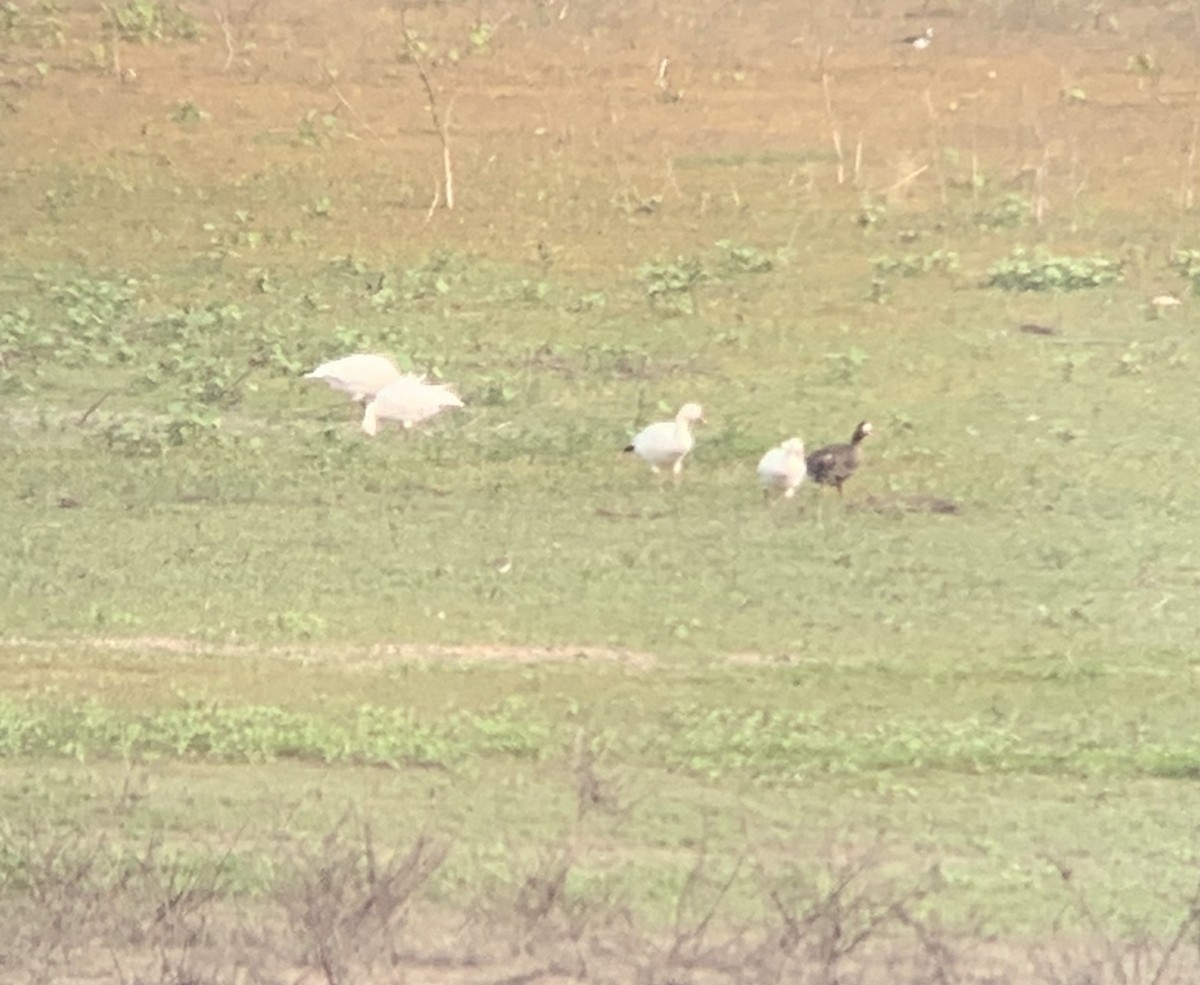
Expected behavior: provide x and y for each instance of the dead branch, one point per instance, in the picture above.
(222, 19)
(835, 130)
(94, 407)
(332, 77)
(442, 125)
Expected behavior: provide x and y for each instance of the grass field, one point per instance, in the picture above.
(489, 702)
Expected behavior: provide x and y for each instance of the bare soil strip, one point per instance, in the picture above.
(345, 654)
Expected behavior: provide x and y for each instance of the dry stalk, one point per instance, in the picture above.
(1078, 182)
(332, 77)
(906, 180)
(835, 131)
(1187, 185)
(116, 39)
(440, 123)
(1040, 202)
(667, 93)
(94, 407)
(936, 147)
(222, 18)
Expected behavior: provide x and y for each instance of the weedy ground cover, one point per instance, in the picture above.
(261, 676)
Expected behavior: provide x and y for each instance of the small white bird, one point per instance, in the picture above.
(362, 376)
(783, 468)
(408, 400)
(667, 443)
(919, 41)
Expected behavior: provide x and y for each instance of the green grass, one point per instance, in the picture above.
(1024, 652)
(230, 621)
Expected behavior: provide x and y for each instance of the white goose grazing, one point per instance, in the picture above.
(783, 468)
(667, 443)
(409, 400)
(362, 376)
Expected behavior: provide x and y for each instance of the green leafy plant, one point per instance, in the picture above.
(1143, 64)
(315, 128)
(909, 265)
(871, 214)
(1186, 263)
(40, 23)
(915, 264)
(322, 208)
(670, 286)
(745, 259)
(845, 366)
(1011, 211)
(1039, 270)
(481, 36)
(187, 112)
(143, 21)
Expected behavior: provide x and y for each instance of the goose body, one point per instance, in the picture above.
(667, 443)
(409, 400)
(783, 468)
(832, 465)
(361, 375)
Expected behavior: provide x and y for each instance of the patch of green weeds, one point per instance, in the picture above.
(145, 21)
(777, 745)
(257, 733)
(871, 215)
(670, 287)
(943, 262)
(587, 301)
(315, 128)
(844, 367)
(187, 113)
(183, 423)
(86, 323)
(480, 36)
(437, 275)
(745, 259)
(1040, 270)
(1012, 211)
(916, 264)
(319, 208)
(1186, 263)
(37, 23)
(1139, 356)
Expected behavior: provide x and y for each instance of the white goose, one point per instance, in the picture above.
(361, 376)
(783, 468)
(408, 400)
(667, 443)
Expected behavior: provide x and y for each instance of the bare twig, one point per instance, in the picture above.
(935, 138)
(835, 130)
(1187, 190)
(332, 77)
(907, 179)
(434, 203)
(95, 407)
(441, 125)
(666, 92)
(115, 26)
(222, 19)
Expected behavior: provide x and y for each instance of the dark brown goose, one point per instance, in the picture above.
(834, 464)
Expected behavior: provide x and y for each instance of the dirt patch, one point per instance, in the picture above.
(343, 654)
(562, 112)
(910, 503)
